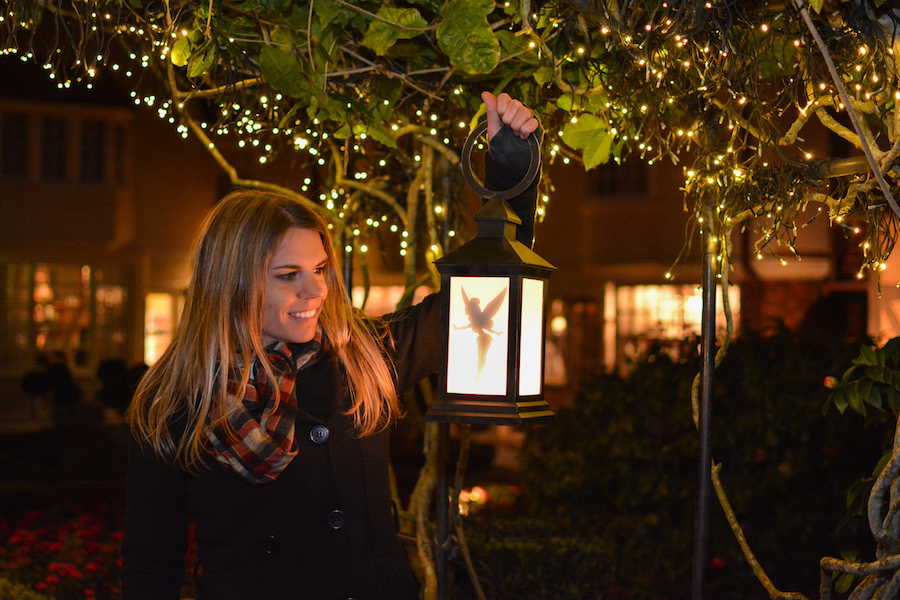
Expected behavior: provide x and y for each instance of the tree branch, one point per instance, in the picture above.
(248, 183)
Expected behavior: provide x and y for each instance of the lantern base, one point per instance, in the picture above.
(478, 412)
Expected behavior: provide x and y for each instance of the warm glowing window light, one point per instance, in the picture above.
(159, 324)
(646, 314)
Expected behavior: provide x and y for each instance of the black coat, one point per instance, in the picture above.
(323, 529)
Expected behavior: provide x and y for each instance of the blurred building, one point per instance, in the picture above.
(101, 199)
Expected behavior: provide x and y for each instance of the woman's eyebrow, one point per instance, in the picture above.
(293, 266)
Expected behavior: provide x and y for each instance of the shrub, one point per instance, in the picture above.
(15, 591)
(621, 466)
(69, 553)
(531, 560)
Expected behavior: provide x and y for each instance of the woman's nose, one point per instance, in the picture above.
(311, 286)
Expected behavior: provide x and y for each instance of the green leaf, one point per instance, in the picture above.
(433, 5)
(566, 102)
(855, 489)
(393, 24)
(877, 373)
(882, 463)
(379, 133)
(895, 380)
(855, 397)
(893, 400)
(265, 6)
(589, 134)
(201, 61)
(466, 37)
(868, 356)
(839, 397)
(181, 52)
(282, 71)
(843, 583)
(891, 348)
(874, 397)
(598, 152)
(845, 378)
(343, 132)
(817, 5)
(518, 45)
(850, 555)
(326, 10)
(543, 75)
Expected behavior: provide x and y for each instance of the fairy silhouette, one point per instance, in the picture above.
(481, 322)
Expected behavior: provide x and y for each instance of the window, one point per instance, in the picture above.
(159, 325)
(631, 178)
(53, 309)
(661, 317)
(93, 150)
(15, 145)
(119, 156)
(54, 149)
(15, 306)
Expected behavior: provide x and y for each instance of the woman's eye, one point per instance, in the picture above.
(287, 276)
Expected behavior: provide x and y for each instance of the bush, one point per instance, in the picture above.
(621, 466)
(70, 552)
(15, 591)
(531, 560)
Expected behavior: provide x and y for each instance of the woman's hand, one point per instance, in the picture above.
(503, 110)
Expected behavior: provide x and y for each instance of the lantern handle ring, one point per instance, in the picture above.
(477, 185)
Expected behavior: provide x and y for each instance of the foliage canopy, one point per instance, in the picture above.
(365, 90)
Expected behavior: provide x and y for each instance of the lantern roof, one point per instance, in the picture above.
(495, 243)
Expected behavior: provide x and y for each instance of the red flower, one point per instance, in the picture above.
(759, 456)
(31, 517)
(95, 567)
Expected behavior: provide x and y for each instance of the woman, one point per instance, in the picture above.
(265, 420)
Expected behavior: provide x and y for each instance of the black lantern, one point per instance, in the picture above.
(493, 297)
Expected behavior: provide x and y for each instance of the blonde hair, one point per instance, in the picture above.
(221, 328)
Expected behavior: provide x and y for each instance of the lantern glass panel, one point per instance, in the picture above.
(530, 356)
(478, 345)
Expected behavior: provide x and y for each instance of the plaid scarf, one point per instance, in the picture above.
(262, 443)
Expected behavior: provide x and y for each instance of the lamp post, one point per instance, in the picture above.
(493, 301)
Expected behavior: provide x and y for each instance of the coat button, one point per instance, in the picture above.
(319, 434)
(336, 519)
(271, 545)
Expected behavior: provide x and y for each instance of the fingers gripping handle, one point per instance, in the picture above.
(479, 188)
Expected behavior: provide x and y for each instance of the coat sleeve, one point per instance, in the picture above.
(415, 341)
(155, 529)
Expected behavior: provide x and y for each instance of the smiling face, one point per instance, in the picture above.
(295, 288)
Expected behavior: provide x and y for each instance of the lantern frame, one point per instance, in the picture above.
(493, 253)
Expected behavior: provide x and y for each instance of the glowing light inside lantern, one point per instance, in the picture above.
(478, 345)
(530, 356)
